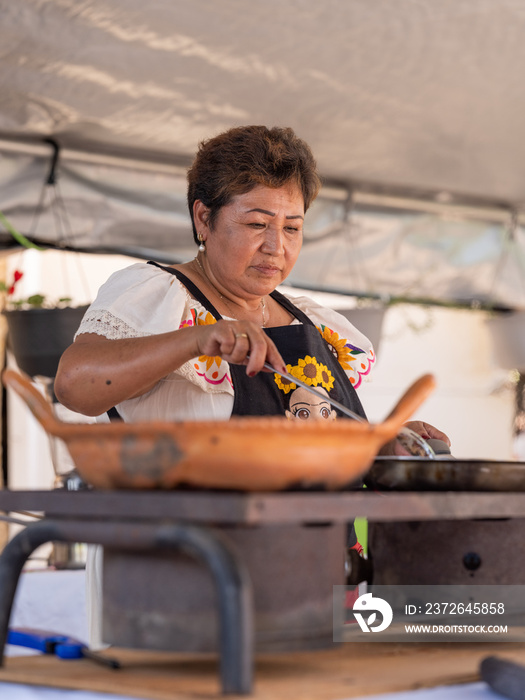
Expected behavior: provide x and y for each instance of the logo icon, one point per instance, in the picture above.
(367, 604)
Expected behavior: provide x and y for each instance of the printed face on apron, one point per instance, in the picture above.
(305, 406)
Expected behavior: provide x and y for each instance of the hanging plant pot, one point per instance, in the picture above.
(37, 337)
(507, 332)
(368, 320)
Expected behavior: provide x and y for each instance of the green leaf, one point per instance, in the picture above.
(36, 300)
(19, 237)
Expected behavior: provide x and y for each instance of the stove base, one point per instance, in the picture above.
(167, 601)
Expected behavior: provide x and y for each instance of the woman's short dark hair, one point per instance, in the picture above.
(241, 158)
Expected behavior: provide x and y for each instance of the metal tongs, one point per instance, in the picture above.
(413, 443)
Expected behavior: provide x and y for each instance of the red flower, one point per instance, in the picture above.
(17, 276)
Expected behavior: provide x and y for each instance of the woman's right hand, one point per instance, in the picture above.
(240, 343)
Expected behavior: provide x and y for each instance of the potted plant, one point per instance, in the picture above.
(39, 330)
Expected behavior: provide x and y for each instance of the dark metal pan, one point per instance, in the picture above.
(418, 474)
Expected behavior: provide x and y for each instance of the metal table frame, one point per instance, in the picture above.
(183, 520)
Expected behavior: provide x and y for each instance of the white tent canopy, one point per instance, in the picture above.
(414, 110)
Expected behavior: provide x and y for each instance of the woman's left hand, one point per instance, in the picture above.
(394, 447)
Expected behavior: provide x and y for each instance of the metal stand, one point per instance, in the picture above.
(231, 581)
(133, 520)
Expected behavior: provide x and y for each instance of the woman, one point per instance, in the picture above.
(190, 341)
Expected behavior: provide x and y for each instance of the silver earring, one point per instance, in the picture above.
(202, 247)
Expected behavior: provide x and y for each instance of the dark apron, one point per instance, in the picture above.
(261, 395)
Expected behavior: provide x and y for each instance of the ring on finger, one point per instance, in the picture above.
(241, 335)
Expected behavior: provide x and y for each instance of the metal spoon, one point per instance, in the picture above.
(411, 441)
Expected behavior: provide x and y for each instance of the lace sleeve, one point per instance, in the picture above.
(140, 300)
(107, 324)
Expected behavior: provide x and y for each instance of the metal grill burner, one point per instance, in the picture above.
(480, 552)
(167, 601)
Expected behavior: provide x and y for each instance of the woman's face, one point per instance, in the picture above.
(255, 240)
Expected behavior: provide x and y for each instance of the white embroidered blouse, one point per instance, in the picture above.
(144, 300)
